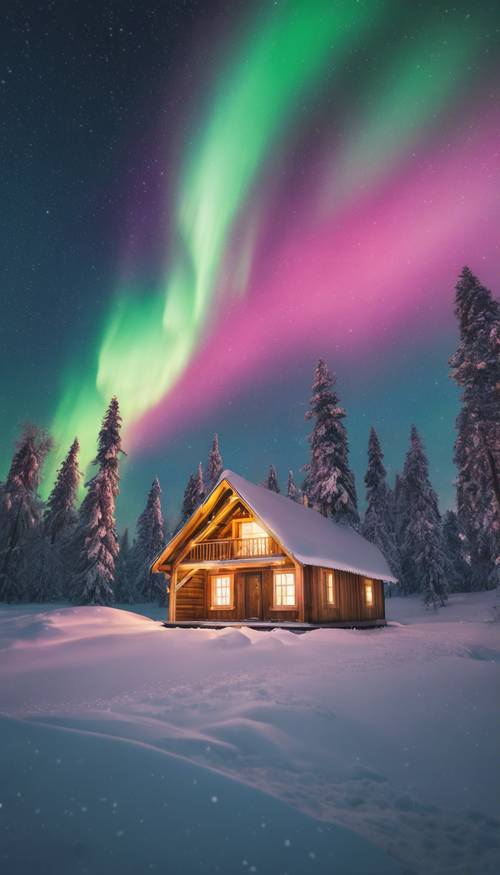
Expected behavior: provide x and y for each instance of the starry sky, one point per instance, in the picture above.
(199, 199)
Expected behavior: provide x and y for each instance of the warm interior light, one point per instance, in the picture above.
(284, 588)
(221, 590)
(330, 590)
(251, 529)
(369, 595)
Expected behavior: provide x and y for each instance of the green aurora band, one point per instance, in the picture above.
(148, 341)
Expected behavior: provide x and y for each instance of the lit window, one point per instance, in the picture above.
(254, 540)
(369, 594)
(330, 588)
(251, 529)
(284, 589)
(221, 592)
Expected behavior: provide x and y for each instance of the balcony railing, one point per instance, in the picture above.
(233, 548)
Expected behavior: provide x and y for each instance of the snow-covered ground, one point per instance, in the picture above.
(127, 747)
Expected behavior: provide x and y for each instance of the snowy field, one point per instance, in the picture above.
(129, 748)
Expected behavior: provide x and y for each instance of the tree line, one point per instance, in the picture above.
(56, 551)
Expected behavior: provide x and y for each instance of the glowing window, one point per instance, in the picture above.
(284, 589)
(369, 594)
(221, 592)
(329, 587)
(251, 529)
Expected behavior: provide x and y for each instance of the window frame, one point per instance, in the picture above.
(326, 574)
(212, 578)
(280, 607)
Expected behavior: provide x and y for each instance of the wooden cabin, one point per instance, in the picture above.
(250, 556)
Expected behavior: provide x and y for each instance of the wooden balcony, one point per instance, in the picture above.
(233, 548)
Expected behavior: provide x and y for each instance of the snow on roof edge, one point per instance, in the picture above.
(341, 540)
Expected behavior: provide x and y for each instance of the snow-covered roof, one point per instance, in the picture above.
(307, 535)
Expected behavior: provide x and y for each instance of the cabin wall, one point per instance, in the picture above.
(350, 603)
(190, 602)
(193, 598)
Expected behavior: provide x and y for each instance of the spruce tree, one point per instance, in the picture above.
(459, 576)
(21, 511)
(149, 542)
(378, 523)
(187, 501)
(397, 511)
(423, 556)
(272, 480)
(124, 589)
(291, 489)
(215, 464)
(61, 514)
(95, 542)
(48, 562)
(329, 482)
(194, 493)
(476, 368)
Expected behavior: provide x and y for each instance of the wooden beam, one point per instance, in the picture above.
(184, 579)
(300, 595)
(173, 596)
(213, 523)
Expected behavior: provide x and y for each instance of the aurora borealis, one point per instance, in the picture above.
(273, 182)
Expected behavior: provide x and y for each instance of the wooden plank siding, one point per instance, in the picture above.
(192, 600)
(350, 601)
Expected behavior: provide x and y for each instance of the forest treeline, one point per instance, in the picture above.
(59, 551)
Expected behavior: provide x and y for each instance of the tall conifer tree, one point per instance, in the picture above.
(476, 368)
(378, 523)
(148, 543)
(194, 492)
(124, 588)
(272, 482)
(215, 464)
(61, 513)
(329, 483)
(459, 572)
(21, 510)
(291, 489)
(423, 556)
(96, 544)
(48, 560)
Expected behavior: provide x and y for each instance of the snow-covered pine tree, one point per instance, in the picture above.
(329, 483)
(187, 501)
(458, 567)
(148, 543)
(194, 492)
(378, 523)
(397, 510)
(47, 569)
(476, 368)
(423, 556)
(291, 489)
(124, 589)
(61, 513)
(215, 464)
(21, 510)
(272, 480)
(95, 545)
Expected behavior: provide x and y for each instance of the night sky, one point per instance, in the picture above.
(199, 199)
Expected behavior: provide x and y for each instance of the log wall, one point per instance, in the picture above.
(193, 598)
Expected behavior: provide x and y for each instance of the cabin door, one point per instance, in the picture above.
(253, 596)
